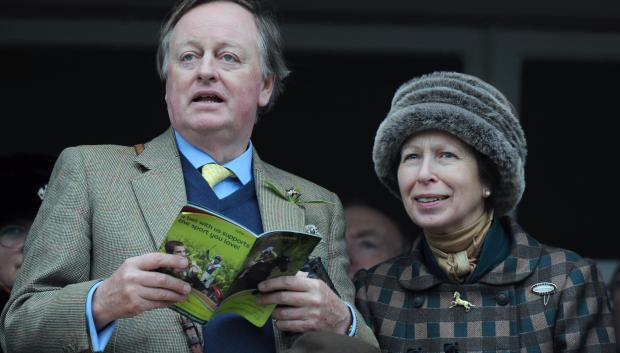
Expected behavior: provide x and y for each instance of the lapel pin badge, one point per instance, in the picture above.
(312, 229)
(544, 289)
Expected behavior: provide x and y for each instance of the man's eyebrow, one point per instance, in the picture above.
(229, 44)
(367, 233)
(190, 42)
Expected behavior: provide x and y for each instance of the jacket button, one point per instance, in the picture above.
(418, 301)
(502, 298)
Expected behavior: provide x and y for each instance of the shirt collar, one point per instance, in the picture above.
(241, 166)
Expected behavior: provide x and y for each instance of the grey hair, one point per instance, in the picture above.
(268, 41)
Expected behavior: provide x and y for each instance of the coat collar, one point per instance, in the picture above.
(524, 256)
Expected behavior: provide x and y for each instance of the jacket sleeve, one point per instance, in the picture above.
(361, 298)
(46, 311)
(338, 265)
(584, 321)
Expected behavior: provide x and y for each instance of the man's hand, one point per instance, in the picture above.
(134, 288)
(304, 304)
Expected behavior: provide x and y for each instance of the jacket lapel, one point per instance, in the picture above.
(276, 213)
(160, 189)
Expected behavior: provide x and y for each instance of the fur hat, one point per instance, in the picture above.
(466, 107)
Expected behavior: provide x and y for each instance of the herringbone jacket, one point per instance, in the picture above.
(104, 204)
(410, 310)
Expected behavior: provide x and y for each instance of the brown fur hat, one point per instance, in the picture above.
(466, 107)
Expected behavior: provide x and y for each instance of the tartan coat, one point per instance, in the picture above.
(103, 205)
(409, 308)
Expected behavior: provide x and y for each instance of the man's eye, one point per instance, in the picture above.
(188, 57)
(229, 58)
(369, 245)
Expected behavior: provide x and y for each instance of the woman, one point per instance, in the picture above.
(452, 149)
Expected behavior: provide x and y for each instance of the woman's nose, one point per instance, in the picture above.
(426, 173)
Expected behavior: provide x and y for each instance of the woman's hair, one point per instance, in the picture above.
(488, 176)
(268, 41)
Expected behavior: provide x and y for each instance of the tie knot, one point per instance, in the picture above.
(214, 173)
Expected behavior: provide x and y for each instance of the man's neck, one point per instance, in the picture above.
(222, 150)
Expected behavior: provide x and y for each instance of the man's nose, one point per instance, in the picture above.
(207, 70)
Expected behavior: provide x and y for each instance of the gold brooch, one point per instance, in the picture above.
(461, 302)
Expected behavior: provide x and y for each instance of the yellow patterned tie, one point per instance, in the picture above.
(214, 173)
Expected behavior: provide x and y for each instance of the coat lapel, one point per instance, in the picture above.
(276, 213)
(160, 189)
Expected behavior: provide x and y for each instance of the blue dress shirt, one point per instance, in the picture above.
(241, 166)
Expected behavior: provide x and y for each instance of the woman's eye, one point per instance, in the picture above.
(447, 155)
(410, 156)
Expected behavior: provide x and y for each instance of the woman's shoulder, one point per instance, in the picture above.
(557, 259)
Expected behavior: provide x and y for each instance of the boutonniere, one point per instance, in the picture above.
(292, 195)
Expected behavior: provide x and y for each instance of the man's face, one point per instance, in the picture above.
(180, 250)
(12, 240)
(214, 84)
(371, 238)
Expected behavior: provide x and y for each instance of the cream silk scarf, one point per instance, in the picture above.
(457, 253)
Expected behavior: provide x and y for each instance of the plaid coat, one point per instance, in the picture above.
(409, 308)
(103, 205)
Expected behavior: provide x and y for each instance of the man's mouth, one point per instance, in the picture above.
(208, 98)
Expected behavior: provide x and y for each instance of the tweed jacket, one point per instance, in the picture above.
(410, 309)
(105, 204)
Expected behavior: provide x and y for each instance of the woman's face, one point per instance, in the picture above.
(439, 182)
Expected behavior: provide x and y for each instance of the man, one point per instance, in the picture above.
(108, 209)
(22, 186)
(12, 238)
(372, 237)
(212, 268)
(178, 248)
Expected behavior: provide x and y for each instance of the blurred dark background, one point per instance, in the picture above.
(83, 72)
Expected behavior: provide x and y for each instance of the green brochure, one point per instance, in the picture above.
(227, 261)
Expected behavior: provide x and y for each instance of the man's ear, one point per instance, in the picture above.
(266, 91)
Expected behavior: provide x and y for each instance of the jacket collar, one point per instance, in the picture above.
(276, 212)
(159, 188)
(524, 256)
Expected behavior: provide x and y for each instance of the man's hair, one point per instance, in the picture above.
(171, 244)
(268, 41)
